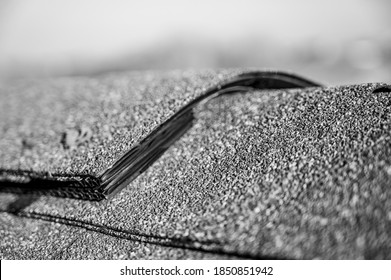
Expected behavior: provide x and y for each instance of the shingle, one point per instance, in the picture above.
(281, 174)
(93, 245)
(78, 138)
(119, 109)
(23, 238)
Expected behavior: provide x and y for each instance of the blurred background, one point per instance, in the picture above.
(334, 41)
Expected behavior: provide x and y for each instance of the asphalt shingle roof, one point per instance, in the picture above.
(301, 173)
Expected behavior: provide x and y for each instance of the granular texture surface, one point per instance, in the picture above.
(81, 125)
(35, 239)
(264, 174)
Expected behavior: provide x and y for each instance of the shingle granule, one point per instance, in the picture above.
(287, 174)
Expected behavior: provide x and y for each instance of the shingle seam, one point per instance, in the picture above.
(213, 247)
(143, 154)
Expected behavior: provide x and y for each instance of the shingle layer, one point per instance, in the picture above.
(264, 174)
(80, 163)
(35, 239)
(82, 125)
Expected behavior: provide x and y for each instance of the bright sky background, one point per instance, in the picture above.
(50, 34)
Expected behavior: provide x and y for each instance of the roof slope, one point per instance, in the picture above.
(301, 173)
